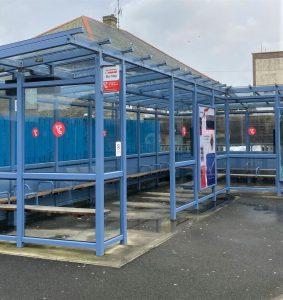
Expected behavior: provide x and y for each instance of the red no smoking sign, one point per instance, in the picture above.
(252, 131)
(58, 129)
(35, 132)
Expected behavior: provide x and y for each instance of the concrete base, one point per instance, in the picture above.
(116, 256)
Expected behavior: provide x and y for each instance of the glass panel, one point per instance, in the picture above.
(147, 133)
(112, 136)
(164, 133)
(220, 133)
(184, 185)
(112, 203)
(8, 132)
(237, 132)
(60, 129)
(263, 140)
(252, 172)
(131, 133)
(62, 210)
(221, 174)
(8, 207)
(183, 138)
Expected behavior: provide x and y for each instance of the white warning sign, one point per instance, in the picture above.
(118, 149)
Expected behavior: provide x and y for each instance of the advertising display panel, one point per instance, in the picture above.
(207, 147)
(281, 145)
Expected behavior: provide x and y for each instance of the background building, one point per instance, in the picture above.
(268, 68)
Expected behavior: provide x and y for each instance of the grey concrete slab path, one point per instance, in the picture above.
(234, 253)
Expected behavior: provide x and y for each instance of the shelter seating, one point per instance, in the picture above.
(8, 203)
(54, 209)
(251, 173)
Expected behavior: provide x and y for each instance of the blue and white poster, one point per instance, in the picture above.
(281, 146)
(207, 147)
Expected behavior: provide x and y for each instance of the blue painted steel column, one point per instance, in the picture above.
(248, 140)
(227, 145)
(156, 143)
(13, 116)
(195, 145)
(247, 137)
(123, 181)
(12, 106)
(56, 140)
(99, 157)
(89, 136)
(277, 142)
(213, 189)
(139, 145)
(20, 160)
(172, 167)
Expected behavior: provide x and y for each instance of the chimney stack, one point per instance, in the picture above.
(110, 20)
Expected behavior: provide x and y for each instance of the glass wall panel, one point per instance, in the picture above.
(8, 131)
(112, 205)
(60, 129)
(63, 210)
(164, 133)
(131, 133)
(147, 132)
(112, 136)
(8, 207)
(183, 138)
(184, 185)
(220, 133)
(252, 172)
(263, 139)
(221, 174)
(237, 132)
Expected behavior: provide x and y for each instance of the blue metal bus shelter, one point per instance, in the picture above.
(38, 76)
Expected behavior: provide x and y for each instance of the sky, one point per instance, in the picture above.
(215, 37)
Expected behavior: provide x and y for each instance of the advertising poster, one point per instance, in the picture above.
(207, 147)
(281, 145)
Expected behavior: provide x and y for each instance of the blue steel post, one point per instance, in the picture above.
(248, 141)
(12, 104)
(123, 181)
(89, 136)
(139, 145)
(56, 141)
(12, 110)
(227, 145)
(277, 141)
(247, 125)
(99, 157)
(20, 159)
(213, 189)
(195, 146)
(156, 140)
(172, 167)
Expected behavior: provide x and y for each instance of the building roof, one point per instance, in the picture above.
(121, 39)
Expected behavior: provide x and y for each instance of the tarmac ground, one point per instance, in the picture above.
(230, 253)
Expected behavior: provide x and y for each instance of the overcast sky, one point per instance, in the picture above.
(215, 37)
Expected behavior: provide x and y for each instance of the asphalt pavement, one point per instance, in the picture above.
(233, 253)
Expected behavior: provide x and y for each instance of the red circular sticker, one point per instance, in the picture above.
(252, 131)
(35, 132)
(58, 129)
(184, 131)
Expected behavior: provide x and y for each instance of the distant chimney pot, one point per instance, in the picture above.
(110, 20)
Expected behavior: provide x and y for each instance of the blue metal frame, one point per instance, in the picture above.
(99, 155)
(161, 90)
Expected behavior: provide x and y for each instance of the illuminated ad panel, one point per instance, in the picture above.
(207, 147)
